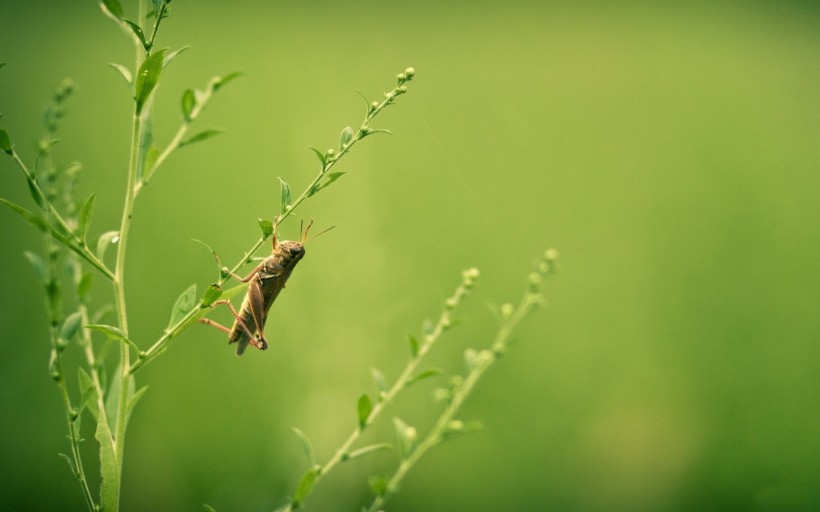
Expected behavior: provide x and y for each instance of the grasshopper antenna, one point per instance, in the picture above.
(306, 240)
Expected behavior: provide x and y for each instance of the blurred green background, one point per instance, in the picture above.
(670, 151)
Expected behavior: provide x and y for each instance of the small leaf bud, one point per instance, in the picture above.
(409, 73)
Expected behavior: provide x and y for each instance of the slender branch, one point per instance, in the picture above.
(71, 240)
(404, 380)
(482, 361)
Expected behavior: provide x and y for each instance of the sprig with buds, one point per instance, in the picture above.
(447, 426)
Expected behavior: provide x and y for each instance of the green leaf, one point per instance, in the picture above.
(106, 239)
(39, 266)
(5, 141)
(364, 407)
(405, 437)
(305, 486)
(171, 56)
(414, 345)
(199, 137)
(84, 285)
(381, 384)
(133, 399)
(139, 33)
(110, 488)
(188, 103)
(284, 196)
(211, 295)
(113, 7)
(355, 454)
(149, 159)
(147, 78)
(219, 82)
(432, 372)
(333, 177)
(114, 333)
(30, 217)
(378, 484)
(306, 446)
(345, 137)
(71, 326)
(266, 226)
(322, 156)
(124, 71)
(470, 358)
(183, 305)
(85, 216)
(88, 394)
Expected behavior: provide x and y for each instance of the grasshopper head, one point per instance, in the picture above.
(291, 250)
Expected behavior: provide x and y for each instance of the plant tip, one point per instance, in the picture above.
(409, 73)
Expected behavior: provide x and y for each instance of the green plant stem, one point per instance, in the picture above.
(486, 359)
(176, 141)
(405, 379)
(331, 161)
(70, 240)
(192, 316)
(119, 272)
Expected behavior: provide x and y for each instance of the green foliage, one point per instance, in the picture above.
(110, 397)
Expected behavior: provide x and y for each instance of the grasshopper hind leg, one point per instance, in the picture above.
(240, 334)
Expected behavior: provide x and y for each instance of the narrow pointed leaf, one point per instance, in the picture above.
(147, 78)
(305, 486)
(183, 305)
(266, 226)
(71, 326)
(405, 437)
(432, 372)
(124, 71)
(345, 137)
(322, 156)
(114, 333)
(84, 286)
(109, 490)
(211, 295)
(364, 407)
(69, 461)
(414, 345)
(171, 56)
(113, 7)
(199, 137)
(219, 82)
(39, 266)
(381, 384)
(88, 394)
(355, 454)
(29, 216)
(132, 400)
(5, 141)
(85, 216)
(307, 446)
(138, 32)
(284, 196)
(188, 103)
(106, 239)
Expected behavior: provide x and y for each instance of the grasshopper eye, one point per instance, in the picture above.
(295, 251)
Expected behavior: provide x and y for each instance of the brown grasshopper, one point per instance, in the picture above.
(266, 281)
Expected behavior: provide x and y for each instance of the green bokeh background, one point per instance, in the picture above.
(671, 151)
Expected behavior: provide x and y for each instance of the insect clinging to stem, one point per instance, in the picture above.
(266, 281)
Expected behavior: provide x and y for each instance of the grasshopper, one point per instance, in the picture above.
(266, 282)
